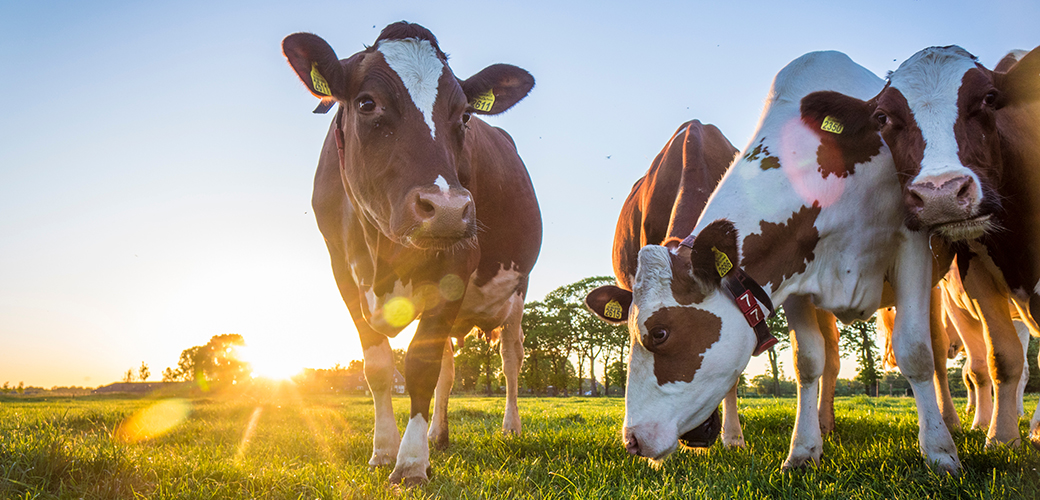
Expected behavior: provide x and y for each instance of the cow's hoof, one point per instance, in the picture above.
(439, 440)
(802, 458)
(946, 465)
(996, 444)
(737, 442)
(410, 479)
(511, 427)
(382, 458)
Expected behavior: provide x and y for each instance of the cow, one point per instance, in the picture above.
(661, 209)
(803, 218)
(427, 212)
(968, 138)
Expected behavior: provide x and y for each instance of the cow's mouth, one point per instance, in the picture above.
(967, 229)
(704, 435)
(444, 244)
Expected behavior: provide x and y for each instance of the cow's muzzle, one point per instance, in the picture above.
(440, 218)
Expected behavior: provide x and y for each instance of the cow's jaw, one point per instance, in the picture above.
(659, 408)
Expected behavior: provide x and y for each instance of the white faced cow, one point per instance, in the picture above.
(427, 212)
(969, 140)
(818, 221)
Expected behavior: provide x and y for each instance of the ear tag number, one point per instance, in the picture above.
(613, 310)
(484, 101)
(722, 262)
(321, 86)
(749, 307)
(831, 125)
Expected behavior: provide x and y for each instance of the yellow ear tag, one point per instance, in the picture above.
(831, 125)
(320, 85)
(722, 262)
(484, 101)
(613, 310)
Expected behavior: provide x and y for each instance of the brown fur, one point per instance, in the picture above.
(691, 332)
(782, 250)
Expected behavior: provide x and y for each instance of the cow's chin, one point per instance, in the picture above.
(442, 244)
(705, 434)
(967, 229)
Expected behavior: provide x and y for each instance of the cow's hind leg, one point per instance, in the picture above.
(511, 347)
(940, 348)
(808, 345)
(438, 433)
(379, 373)
(732, 435)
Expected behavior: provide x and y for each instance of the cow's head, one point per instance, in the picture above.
(938, 116)
(690, 341)
(401, 128)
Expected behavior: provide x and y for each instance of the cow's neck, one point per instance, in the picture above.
(1016, 249)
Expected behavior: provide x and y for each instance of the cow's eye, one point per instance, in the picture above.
(366, 105)
(658, 335)
(881, 118)
(990, 99)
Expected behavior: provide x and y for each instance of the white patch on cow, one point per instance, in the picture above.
(414, 457)
(492, 302)
(1036, 288)
(930, 81)
(442, 183)
(379, 375)
(416, 63)
(389, 313)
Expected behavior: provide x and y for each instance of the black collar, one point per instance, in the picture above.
(743, 290)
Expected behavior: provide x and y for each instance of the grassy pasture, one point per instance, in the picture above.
(291, 446)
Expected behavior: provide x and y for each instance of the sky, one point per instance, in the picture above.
(157, 158)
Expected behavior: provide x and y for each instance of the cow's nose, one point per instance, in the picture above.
(443, 213)
(631, 443)
(943, 200)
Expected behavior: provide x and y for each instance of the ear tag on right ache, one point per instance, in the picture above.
(485, 101)
(831, 125)
(722, 262)
(321, 86)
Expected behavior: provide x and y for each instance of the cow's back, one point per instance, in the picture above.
(667, 201)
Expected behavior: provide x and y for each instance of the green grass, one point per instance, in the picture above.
(318, 447)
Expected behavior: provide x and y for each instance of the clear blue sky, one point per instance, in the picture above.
(156, 158)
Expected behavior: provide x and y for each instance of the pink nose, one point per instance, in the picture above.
(442, 214)
(631, 443)
(940, 200)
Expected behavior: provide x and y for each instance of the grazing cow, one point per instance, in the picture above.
(969, 140)
(819, 222)
(662, 209)
(427, 212)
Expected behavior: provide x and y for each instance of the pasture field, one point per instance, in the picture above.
(292, 446)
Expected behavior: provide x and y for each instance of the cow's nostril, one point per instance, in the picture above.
(631, 444)
(914, 200)
(966, 193)
(424, 209)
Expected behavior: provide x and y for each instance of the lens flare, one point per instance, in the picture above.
(452, 287)
(152, 421)
(399, 311)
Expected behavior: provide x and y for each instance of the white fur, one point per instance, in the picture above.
(441, 183)
(930, 81)
(416, 62)
(414, 457)
(379, 373)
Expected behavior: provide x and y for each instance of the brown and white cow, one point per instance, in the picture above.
(969, 140)
(662, 209)
(427, 212)
(819, 222)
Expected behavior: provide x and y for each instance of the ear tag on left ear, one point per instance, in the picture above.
(484, 101)
(613, 310)
(722, 262)
(321, 86)
(831, 125)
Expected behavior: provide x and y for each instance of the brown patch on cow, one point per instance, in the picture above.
(720, 235)
(901, 133)
(782, 250)
(685, 289)
(762, 151)
(857, 142)
(690, 332)
(978, 140)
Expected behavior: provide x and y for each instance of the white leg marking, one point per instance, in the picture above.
(511, 347)
(379, 372)
(732, 434)
(809, 352)
(414, 457)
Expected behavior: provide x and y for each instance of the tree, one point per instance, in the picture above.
(477, 361)
(129, 375)
(170, 375)
(857, 339)
(548, 343)
(143, 372)
(782, 331)
(216, 362)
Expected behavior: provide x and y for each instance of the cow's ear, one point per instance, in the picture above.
(316, 64)
(714, 251)
(497, 88)
(1021, 83)
(609, 303)
(839, 115)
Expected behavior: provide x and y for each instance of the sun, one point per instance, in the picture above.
(269, 363)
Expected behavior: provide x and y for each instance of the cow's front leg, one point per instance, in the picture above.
(912, 346)
(831, 367)
(1034, 423)
(808, 345)
(511, 347)
(732, 434)
(422, 368)
(438, 433)
(379, 373)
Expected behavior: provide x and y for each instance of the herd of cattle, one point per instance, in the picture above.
(918, 194)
